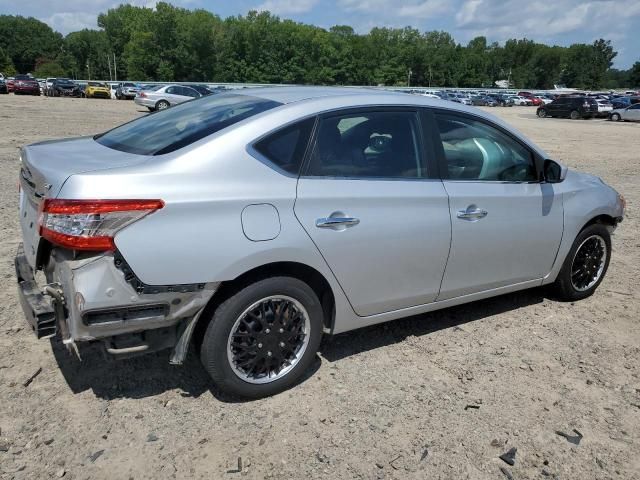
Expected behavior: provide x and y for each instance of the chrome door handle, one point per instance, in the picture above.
(333, 222)
(472, 213)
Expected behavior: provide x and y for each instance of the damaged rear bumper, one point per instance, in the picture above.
(103, 302)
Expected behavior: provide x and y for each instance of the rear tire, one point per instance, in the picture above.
(542, 113)
(574, 115)
(586, 264)
(162, 105)
(262, 339)
(615, 117)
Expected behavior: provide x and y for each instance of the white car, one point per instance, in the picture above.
(521, 101)
(604, 107)
(48, 85)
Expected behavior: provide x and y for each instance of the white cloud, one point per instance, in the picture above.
(66, 22)
(284, 7)
(383, 9)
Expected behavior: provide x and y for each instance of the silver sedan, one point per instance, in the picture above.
(252, 223)
(162, 97)
(630, 113)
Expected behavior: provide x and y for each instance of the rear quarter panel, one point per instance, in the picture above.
(198, 236)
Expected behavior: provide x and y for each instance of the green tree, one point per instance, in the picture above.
(634, 75)
(25, 40)
(48, 68)
(6, 64)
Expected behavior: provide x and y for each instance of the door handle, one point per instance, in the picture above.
(472, 213)
(337, 222)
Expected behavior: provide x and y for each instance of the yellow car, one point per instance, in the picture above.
(98, 90)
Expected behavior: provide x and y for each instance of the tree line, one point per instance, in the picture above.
(169, 43)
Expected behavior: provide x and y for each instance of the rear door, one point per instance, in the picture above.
(173, 96)
(371, 205)
(506, 225)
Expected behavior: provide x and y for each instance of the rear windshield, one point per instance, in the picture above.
(179, 126)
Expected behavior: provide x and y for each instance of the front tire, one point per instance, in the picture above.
(261, 340)
(586, 264)
(615, 117)
(542, 113)
(574, 115)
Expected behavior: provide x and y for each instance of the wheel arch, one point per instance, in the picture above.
(301, 271)
(601, 219)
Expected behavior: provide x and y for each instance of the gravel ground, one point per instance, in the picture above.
(438, 396)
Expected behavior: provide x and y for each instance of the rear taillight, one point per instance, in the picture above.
(142, 94)
(90, 224)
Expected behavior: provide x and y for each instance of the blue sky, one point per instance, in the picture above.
(559, 22)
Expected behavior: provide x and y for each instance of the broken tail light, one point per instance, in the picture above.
(91, 224)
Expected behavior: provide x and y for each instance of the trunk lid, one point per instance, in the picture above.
(46, 166)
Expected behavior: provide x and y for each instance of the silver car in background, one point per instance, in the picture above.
(630, 113)
(165, 96)
(251, 223)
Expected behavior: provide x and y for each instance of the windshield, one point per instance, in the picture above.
(179, 126)
(64, 81)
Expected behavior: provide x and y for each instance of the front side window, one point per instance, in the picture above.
(171, 129)
(474, 150)
(286, 147)
(368, 145)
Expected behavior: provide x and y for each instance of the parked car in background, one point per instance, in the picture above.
(10, 83)
(48, 83)
(165, 96)
(254, 219)
(202, 90)
(3, 86)
(26, 85)
(126, 91)
(630, 113)
(113, 87)
(503, 100)
(570, 107)
(64, 87)
(604, 107)
(478, 101)
(97, 90)
(521, 101)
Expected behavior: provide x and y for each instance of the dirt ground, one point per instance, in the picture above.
(438, 396)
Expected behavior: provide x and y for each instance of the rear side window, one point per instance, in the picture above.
(285, 148)
(381, 144)
(169, 130)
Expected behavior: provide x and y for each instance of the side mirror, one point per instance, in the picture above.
(553, 172)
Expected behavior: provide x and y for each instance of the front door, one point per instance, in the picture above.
(506, 225)
(367, 202)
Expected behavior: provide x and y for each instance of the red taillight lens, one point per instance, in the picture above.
(91, 224)
(142, 94)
